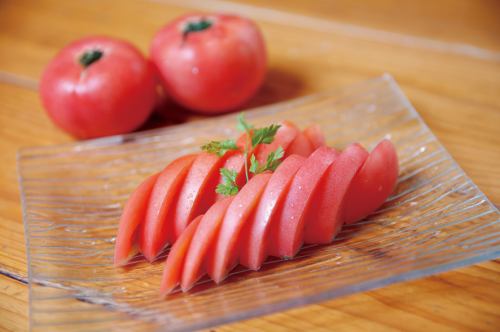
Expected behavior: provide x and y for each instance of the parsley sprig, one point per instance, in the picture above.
(255, 136)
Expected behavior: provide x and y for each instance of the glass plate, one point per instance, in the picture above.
(73, 194)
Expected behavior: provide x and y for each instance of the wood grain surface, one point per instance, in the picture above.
(445, 55)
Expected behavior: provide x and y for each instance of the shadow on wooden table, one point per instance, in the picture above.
(279, 85)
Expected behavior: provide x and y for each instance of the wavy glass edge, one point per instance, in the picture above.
(149, 136)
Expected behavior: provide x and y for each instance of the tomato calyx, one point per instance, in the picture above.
(196, 26)
(89, 57)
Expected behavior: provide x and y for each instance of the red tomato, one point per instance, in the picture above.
(237, 214)
(315, 136)
(200, 251)
(287, 233)
(210, 63)
(284, 137)
(175, 260)
(98, 86)
(158, 229)
(132, 216)
(324, 218)
(374, 182)
(255, 243)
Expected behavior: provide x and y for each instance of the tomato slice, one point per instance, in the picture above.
(255, 241)
(284, 137)
(132, 216)
(157, 229)
(315, 136)
(234, 161)
(287, 233)
(202, 244)
(300, 145)
(373, 183)
(173, 267)
(198, 192)
(237, 214)
(324, 218)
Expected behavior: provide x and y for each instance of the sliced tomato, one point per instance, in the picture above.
(315, 136)
(300, 146)
(323, 218)
(202, 245)
(234, 161)
(287, 233)
(132, 216)
(255, 240)
(373, 183)
(198, 191)
(173, 267)
(284, 137)
(237, 214)
(157, 229)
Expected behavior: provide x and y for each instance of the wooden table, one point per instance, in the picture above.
(445, 55)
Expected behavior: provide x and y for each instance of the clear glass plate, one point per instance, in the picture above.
(73, 195)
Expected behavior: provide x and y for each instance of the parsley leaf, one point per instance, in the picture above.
(228, 187)
(264, 135)
(243, 125)
(272, 162)
(220, 147)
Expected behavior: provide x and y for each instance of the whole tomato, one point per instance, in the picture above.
(98, 86)
(210, 63)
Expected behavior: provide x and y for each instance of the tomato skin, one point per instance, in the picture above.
(315, 136)
(198, 191)
(172, 272)
(201, 249)
(255, 243)
(113, 95)
(373, 183)
(324, 219)
(237, 215)
(157, 229)
(131, 219)
(301, 146)
(286, 235)
(211, 71)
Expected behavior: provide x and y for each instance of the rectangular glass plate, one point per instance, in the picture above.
(73, 194)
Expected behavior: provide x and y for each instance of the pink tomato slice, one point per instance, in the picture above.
(173, 267)
(255, 243)
(202, 245)
(323, 218)
(287, 233)
(198, 191)
(300, 146)
(315, 136)
(132, 216)
(284, 137)
(373, 183)
(157, 229)
(237, 214)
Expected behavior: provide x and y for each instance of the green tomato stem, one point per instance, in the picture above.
(89, 57)
(196, 26)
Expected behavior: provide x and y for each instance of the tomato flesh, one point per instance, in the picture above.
(157, 229)
(287, 232)
(373, 183)
(284, 137)
(237, 214)
(132, 216)
(202, 245)
(255, 243)
(174, 265)
(324, 219)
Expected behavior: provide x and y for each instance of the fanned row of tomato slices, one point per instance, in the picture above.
(161, 208)
(306, 200)
(311, 194)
